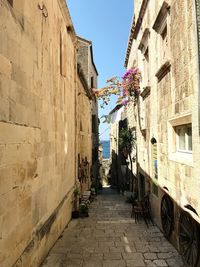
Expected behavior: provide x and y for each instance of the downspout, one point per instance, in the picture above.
(196, 4)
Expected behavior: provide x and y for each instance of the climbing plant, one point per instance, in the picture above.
(127, 87)
(126, 140)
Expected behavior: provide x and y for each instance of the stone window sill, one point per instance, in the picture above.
(163, 70)
(161, 17)
(145, 92)
(182, 157)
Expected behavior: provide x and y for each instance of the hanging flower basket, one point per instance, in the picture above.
(131, 82)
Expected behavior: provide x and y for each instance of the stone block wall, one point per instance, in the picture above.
(173, 98)
(83, 56)
(37, 128)
(84, 130)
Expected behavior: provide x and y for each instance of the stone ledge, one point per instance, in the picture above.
(163, 70)
(146, 92)
(161, 17)
(143, 39)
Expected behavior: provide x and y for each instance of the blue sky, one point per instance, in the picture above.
(107, 24)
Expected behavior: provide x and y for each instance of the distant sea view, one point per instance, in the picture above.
(106, 149)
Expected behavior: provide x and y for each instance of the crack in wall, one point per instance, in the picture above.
(20, 124)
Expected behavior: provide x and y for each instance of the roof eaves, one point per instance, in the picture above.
(67, 17)
(91, 50)
(135, 27)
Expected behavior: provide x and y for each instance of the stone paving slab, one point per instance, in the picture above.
(109, 237)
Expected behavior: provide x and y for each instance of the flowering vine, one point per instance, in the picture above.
(126, 87)
(131, 82)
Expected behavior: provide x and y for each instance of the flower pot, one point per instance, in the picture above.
(75, 214)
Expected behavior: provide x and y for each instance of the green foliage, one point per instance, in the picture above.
(126, 140)
(76, 192)
(83, 208)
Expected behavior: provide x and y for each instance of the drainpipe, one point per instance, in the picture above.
(196, 4)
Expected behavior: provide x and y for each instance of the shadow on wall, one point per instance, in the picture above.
(121, 176)
(176, 223)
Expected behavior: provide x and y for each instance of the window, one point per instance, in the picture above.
(164, 43)
(154, 158)
(164, 33)
(63, 55)
(146, 67)
(161, 27)
(184, 138)
(81, 126)
(144, 48)
(94, 124)
(92, 82)
(180, 139)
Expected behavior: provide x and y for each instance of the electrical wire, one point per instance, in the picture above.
(104, 131)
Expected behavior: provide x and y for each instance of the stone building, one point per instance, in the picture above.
(38, 135)
(123, 167)
(163, 44)
(86, 108)
(86, 61)
(84, 128)
(114, 138)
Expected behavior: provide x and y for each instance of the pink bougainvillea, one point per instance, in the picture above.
(125, 87)
(131, 82)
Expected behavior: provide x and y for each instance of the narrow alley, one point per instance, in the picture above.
(98, 93)
(109, 237)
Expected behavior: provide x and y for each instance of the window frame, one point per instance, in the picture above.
(186, 138)
(146, 67)
(181, 157)
(145, 51)
(92, 81)
(161, 27)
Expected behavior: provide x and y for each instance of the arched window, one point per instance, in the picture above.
(154, 158)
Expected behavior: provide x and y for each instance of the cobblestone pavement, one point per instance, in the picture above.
(109, 237)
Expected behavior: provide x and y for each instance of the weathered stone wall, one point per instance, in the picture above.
(37, 128)
(114, 133)
(114, 141)
(84, 130)
(173, 101)
(85, 58)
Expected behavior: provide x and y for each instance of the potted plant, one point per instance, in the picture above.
(83, 210)
(75, 212)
